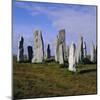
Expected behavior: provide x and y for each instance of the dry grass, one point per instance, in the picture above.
(47, 80)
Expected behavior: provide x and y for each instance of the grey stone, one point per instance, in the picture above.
(57, 50)
(80, 50)
(72, 58)
(85, 49)
(48, 53)
(60, 47)
(38, 47)
(30, 53)
(93, 53)
(62, 40)
(20, 55)
(67, 52)
(61, 54)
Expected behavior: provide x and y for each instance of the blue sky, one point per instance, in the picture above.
(50, 18)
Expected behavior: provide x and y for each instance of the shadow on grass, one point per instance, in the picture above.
(87, 71)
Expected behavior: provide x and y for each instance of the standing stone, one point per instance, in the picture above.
(93, 52)
(62, 40)
(96, 53)
(72, 59)
(61, 54)
(48, 51)
(85, 50)
(57, 50)
(30, 53)
(60, 47)
(80, 50)
(38, 47)
(67, 52)
(20, 56)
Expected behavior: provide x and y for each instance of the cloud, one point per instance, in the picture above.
(76, 19)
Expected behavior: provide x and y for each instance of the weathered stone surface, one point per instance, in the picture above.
(72, 59)
(85, 49)
(57, 50)
(48, 55)
(60, 46)
(20, 55)
(61, 54)
(93, 53)
(38, 47)
(62, 40)
(30, 53)
(67, 52)
(80, 50)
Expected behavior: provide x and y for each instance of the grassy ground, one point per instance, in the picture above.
(46, 80)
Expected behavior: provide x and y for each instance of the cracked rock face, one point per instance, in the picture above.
(20, 55)
(72, 60)
(38, 47)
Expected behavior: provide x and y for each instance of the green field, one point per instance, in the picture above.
(49, 79)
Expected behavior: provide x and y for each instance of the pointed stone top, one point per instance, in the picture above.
(62, 30)
(21, 38)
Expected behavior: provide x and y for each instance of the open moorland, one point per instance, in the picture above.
(50, 79)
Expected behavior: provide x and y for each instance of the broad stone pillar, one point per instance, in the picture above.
(20, 56)
(72, 60)
(38, 47)
(30, 53)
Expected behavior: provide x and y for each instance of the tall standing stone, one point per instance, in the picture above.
(60, 47)
(93, 53)
(56, 50)
(85, 50)
(61, 54)
(62, 40)
(48, 55)
(38, 47)
(72, 58)
(20, 56)
(80, 50)
(30, 53)
(67, 52)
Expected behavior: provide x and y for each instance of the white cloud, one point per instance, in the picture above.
(75, 19)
